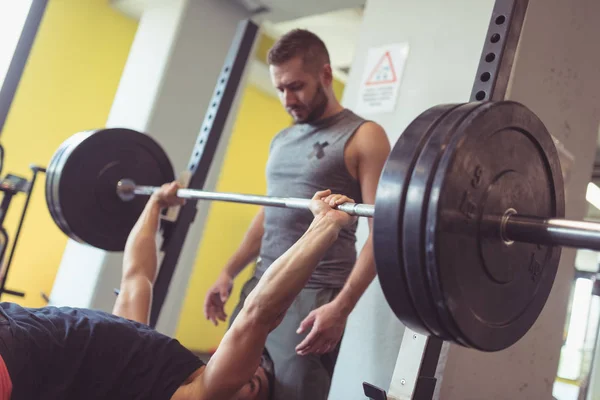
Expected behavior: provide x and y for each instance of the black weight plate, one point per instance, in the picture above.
(51, 177)
(500, 157)
(389, 212)
(81, 185)
(415, 217)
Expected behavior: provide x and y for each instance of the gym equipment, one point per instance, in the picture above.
(228, 85)
(448, 229)
(81, 181)
(467, 218)
(10, 186)
(127, 190)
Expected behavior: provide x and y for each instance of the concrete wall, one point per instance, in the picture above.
(555, 75)
(444, 47)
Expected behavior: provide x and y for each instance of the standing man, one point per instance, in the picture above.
(328, 146)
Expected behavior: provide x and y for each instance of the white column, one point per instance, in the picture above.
(170, 75)
(445, 41)
(555, 74)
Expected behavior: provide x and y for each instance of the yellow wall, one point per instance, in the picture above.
(259, 118)
(68, 85)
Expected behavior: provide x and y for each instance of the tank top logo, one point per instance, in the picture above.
(318, 150)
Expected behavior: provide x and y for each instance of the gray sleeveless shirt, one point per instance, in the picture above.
(304, 159)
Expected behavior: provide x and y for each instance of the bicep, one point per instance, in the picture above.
(373, 151)
(134, 299)
(236, 359)
(256, 228)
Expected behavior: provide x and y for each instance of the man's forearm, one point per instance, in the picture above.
(141, 248)
(238, 355)
(286, 277)
(244, 255)
(360, 278)
(249, 248)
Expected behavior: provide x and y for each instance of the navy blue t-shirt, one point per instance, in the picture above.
(68, 353)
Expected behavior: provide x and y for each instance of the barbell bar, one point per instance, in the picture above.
(554, 232)
(468, 221)
(127, 190)
(513, 227)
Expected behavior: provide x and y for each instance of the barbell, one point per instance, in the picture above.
(467, 221)
(127, 190)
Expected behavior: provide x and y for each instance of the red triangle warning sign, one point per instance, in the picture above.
(383, 72)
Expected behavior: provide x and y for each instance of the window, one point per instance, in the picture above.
(19, 23)
(12, 19)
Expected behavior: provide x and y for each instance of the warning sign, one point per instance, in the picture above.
(384, 71)
(381, 79)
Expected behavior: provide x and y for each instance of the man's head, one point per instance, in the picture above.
(261, 385)
(301, 72)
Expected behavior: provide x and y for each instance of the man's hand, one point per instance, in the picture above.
(323, 204)
(166, 196)
(328, 323)
(214, 302)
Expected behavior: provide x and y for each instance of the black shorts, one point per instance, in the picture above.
(68, 353)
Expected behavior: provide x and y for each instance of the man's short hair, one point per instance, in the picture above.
(269, 367)
(299, 43)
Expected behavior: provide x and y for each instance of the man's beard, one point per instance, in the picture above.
(317, 107)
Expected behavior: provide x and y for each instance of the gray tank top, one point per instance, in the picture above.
(304, 159)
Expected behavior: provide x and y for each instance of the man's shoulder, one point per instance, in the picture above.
(366, 126)
(370, 138)
(369, 130)
(350, 113)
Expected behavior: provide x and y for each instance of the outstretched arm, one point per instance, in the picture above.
(239, 353)
(140, 260)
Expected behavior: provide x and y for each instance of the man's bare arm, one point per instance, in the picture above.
(218, 293)
(140, 249)
(374, 149)
(249, 247)
(140, 259)
(240, 351)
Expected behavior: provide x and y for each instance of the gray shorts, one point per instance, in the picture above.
(297, 377)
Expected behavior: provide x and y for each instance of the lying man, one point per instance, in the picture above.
(68, 353)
